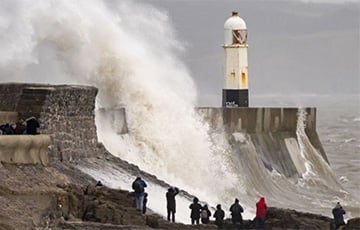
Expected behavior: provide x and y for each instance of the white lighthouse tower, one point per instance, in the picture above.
(235, 91)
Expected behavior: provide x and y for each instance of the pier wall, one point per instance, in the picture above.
(271, 132)
(65, 113)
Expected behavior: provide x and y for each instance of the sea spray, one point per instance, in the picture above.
(322, 173)
(134, 61)
(300, 133)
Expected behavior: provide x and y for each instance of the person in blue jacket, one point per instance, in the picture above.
(139, 186)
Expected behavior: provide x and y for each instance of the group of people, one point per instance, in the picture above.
(28, 126)
(198, 212)
(202, 213)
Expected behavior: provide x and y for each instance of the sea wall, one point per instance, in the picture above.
(65, 113)
(256, 120)
(271, 132)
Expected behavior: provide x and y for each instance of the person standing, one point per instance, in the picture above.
(236, 211)
(338, 213)
(195, 211)
(171, 203)
(260, 213)
(219, 216)
(31, 126)
(20, 127)
(205, 214)
(139, 186)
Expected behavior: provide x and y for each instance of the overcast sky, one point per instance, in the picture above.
(295, 47)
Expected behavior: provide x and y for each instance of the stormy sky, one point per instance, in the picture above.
(295, 47)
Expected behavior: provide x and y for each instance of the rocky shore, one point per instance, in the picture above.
(59, 196)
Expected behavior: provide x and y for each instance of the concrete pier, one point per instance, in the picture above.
(66, 114)
(271, 131)
(254, 120)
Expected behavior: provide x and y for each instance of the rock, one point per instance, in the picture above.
(291, 219)
(353, 224)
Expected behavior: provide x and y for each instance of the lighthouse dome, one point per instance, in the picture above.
(235, 31)
(235, 23)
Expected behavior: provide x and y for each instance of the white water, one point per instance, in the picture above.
(133, 58)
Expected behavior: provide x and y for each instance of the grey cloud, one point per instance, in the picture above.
(294, 47)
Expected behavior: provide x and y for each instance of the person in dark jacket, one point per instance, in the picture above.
(20, 127)
(171, 203)
(2, 129)
(338, 213)
(236, 211)
(260, 213)
(31, 126)
(205, 214)
(7, 129)
(195, 211)
(99, 184)
(219, 216)
(139, 188)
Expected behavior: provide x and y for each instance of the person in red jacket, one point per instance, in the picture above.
(260, 213)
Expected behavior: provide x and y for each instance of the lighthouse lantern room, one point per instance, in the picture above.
(235, 91)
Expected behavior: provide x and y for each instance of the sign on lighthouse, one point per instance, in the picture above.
(235, 91)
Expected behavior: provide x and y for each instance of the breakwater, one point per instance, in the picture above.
(66, 114)
(272, 131)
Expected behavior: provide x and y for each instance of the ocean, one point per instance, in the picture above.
(339, 130)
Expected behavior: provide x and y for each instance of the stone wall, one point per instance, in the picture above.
(6, 117)
(65, 112)
(10, 94)
(68, 115)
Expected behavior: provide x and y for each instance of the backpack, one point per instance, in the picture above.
(204, 214)
(138, 186)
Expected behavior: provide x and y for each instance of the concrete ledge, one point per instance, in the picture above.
(24, 149)
(256, 120)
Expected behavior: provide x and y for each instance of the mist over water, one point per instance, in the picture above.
(134, 60)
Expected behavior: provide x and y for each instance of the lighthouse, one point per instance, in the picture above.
(235, 92)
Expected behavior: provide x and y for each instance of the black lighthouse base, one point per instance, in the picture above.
(235, 98)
